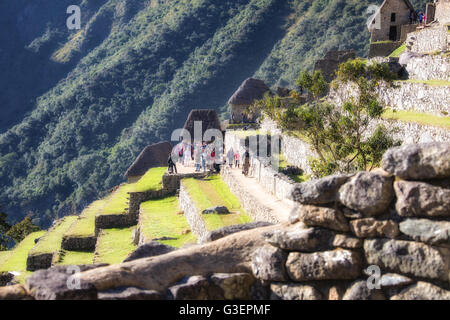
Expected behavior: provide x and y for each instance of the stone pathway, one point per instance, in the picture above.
(281, 208)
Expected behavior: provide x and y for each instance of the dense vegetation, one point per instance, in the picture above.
(78, 106)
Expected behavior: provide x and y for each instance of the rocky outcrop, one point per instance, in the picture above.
(149, 249)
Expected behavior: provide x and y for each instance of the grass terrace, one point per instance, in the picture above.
(211, 192)
(152, 180)
(117, 202)
(51, 241)
(16, 259)
(84, 226)
(161, 218)
(397, 52)
(444, 83)
(76, 258)
(420, 118)
(114, 245)
(283, 164)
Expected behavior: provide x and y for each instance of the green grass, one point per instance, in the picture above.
(397, 52)
(420, 118)
(429, 82)
(117, 202)
(114, 245)
(16, 259)
(84, 226)
(152, 180)
(160, 218)
(51, 241)
(76, 258)
(380, 42)
(212, 192)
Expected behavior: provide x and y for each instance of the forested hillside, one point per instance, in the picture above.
(78, 106)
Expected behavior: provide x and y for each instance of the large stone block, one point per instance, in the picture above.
(422, 291)
(419, 161)
(419, 199)
(300, 239)
(235, 286)
(428, 231)
(294, 291)
(196, 288)
(329, 265)
(149, 249)
(321, 191)
(322, 217)
(408, 257)
(129, 293)
(368, 193)
(371, 228)
(360, 291)
(268, 263)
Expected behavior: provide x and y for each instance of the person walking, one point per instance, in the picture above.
(203, 160)
(246, 165)
(230, 156)
(197, 157)
(236, 159)
(172, 165)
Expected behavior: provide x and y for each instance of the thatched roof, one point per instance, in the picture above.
(249, 91)
(152, 156)
(208, 117)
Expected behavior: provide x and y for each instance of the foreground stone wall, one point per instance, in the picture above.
(372, 235)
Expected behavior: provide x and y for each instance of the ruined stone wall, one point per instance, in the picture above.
(429, 67)
(443, 11)
(192, 214)
(427, 40)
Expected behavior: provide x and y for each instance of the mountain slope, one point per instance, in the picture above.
(93, 98)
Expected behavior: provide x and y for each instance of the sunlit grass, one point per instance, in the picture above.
(76, 258)
(212, 192)
(160, 218)
(51, 241)
(114, 245)
(85, 224)
(117, 202)
(152, 180)
(429, 82)
(420, 118)
(283, 164)
(16, 259)
(397, 52)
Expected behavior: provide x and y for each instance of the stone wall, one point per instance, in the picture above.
(383, 49)
(443, 12)
(371, 236)
(427, 40)
(429, 67)
(72, 243)
(192, 214)
(40, 261)
(251, 205)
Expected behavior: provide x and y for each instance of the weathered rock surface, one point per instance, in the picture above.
(319, 191)
(428, 231)
(419, 199)
(196, 288)
(419, 161)
(216, 210)
(328, 265)
(297, 238)
(347, 242)
(408, 257)
(5, 278)
(371, 228)
(293, 291)
(269, 263)
(235, 286)
(368, 193)
(422, 291)
(329, 218)
(225, 231)
(60, 283)
(149, 249)
(360, 291)
(129, 293)
(394, 280)
(17, 292)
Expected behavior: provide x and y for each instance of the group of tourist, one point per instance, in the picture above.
(204, 156)
(417, 17)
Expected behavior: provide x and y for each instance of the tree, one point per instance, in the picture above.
(4, 227)
(340, 135)
(19, 231)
